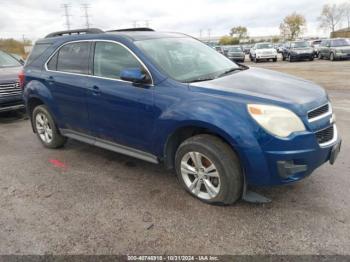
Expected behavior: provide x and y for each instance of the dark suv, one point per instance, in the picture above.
(297, 50)
(168, 98)
(10, 91)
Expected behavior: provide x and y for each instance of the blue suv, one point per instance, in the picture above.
(168, 98)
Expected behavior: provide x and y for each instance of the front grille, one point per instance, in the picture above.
(10, 89)
(325, 135)
(318, 111)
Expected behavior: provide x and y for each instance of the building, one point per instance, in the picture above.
(345, 32)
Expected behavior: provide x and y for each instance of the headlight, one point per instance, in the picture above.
(276, 120)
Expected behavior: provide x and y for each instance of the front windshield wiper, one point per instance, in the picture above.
(200, 80)
(230, 71)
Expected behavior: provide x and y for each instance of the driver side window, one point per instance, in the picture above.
(111, 58)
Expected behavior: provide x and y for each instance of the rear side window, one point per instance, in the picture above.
(110, 59)
(72, 58)
(37, 51)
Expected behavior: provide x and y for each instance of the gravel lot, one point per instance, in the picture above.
(86, 200)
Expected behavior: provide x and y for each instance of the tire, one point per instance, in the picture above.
(283, 58)
(290, 59)
(256, 60)
(274, 60)
(320, 56)
(46, 129)
(212, 152)
(251, 58)
(331, 57)
(311, 58)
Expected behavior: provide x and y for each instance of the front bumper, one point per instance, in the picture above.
(269, 56)
(342, 56)
(282, 161)
(302, 56)
(11, 103)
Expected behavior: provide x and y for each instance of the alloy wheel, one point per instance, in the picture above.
(43, 128)
(200, 175)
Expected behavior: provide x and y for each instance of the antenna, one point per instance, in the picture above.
(66, 14)
(85, 8)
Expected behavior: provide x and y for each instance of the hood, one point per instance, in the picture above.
(9, 74)
(267, 86)
(265, 50)
(302, 49)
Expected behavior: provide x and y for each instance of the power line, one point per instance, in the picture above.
(66, 14)
(85, 8)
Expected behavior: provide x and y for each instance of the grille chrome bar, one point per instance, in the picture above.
(319, 112)
(10, 89)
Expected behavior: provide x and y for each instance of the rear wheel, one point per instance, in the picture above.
(274, 60)
(46, 129)
(209, 170)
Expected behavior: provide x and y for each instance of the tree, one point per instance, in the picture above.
(346, 8)
(331, 16)
(293, 26)
(228, 40)
(239, 32)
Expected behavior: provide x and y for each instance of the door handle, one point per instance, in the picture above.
(96, 90)
(51, 80)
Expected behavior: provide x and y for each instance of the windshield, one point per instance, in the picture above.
(300, 44)
(234, 49)
(264, 46)
(8, 61)
(186, 59)
(340, 42)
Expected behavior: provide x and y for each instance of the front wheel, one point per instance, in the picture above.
(209, 170)
(46, 129)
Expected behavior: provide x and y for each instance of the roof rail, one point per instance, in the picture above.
(76, 31)
(136, 29)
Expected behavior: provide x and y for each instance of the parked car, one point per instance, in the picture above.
(280, 47)
(235, 53)
(298, 50)
(10, 92)
(263, 51)
(168, 98)
(334, 49)
(315, 44)
(220, 49)
(246, 49)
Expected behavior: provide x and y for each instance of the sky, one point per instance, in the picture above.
(36, 18)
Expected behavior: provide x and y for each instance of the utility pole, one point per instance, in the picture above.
(67, 15)
(85, 8)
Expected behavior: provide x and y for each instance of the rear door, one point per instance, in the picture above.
(66, 77)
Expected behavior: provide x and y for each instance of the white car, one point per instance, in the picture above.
(263, 51)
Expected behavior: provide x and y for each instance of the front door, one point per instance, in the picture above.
(119, 111)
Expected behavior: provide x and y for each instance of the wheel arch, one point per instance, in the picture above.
(186, 131)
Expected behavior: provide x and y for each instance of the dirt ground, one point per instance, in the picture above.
(86, 200)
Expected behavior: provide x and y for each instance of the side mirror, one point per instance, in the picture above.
(134, 75)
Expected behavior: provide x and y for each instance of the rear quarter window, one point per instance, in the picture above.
(37, 51)
(73, 58)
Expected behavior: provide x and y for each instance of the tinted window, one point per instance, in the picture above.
(110, 59)
(74, 58)
(37, 51)
(340, 42)
(52, 64)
